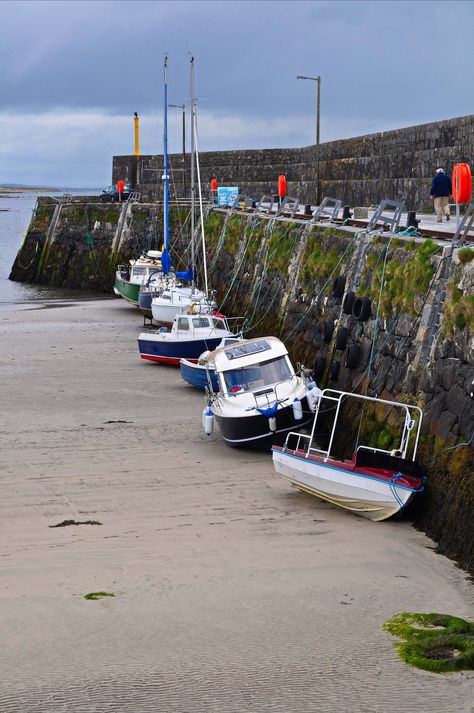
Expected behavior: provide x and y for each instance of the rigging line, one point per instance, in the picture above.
(262, 276)
(235, 274)
(315, 301)
(374, 336)
(451, 448)
(201, 211)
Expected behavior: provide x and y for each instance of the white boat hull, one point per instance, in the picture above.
(370, 497)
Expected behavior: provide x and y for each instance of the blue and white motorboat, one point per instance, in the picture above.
(190, 336)
(260, 397)
(199, 373)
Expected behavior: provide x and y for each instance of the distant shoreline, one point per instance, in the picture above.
(9, 191)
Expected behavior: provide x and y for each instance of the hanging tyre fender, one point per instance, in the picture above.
(361, 309)
(347, 302)
(352, 356)
(328, 331)
(338, 286)
(319, 367)
(341, 338)
(334, 371)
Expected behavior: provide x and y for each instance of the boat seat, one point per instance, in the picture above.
(375, 459)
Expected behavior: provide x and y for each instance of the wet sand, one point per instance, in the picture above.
(233, 591)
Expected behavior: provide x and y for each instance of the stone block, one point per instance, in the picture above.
(456, 399)
(361, 213)
(445, 423)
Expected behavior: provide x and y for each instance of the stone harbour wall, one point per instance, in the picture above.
(398, 165)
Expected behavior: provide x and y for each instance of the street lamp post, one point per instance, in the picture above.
(318, 122)
(183, 109)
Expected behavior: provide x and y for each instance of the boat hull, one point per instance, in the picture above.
(144, 303)
(127, 290)
(253, 431)
(172, 351)
(196, 375)
(364, 495)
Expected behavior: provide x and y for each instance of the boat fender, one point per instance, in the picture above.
(297, 409)
(208, 420)
(272, 424)
(313, 395)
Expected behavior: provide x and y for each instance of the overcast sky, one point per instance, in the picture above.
(74, 72)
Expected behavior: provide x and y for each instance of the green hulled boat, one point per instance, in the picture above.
(129, 278)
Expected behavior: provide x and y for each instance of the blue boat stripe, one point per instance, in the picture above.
(350, 472)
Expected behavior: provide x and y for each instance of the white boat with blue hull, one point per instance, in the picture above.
(190, 336)
(374, 483)
(260, 396)
(198, 374)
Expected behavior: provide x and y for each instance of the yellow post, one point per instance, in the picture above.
(136, 121)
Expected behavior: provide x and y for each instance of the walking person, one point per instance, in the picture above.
(441, 191)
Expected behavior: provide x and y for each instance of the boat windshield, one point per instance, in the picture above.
(255, 376)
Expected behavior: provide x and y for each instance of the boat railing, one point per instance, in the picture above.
(267, 396)
(337, 397)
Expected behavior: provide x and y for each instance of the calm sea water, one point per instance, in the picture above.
(15, 214)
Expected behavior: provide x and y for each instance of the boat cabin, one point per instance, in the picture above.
(256, 366)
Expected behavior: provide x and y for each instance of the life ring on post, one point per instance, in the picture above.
(194, 308)
(462, 183)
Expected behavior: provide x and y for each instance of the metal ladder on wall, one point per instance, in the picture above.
(392, 219)
(328, 210)
(464, 228)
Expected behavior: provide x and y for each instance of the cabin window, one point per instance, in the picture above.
(200, 322)
(166, 297)
(139, 271)
(257, 375)
(183, 324)
(219, 324)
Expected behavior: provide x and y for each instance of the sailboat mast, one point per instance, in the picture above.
(165, 151)
(193, 109)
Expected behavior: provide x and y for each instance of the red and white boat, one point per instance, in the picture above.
(375, 483)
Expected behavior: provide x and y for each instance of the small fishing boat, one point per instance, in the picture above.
(190, 336)
(260, 397)
(374, 483)
(174, 299)
(154, 286)
(129, 278)
(198, 374)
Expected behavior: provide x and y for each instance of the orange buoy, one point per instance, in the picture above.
(213, 184)
(282, 186)
(462, 183)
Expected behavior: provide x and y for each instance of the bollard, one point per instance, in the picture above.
(412, 221)
(346, 213)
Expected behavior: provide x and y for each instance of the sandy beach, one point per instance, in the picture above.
(232, 591)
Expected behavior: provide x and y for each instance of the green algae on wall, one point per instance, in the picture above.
(406, 275)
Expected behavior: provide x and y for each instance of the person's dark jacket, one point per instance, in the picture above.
(441, 186)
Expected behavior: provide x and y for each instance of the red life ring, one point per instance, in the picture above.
(462, 183)
(282, 186)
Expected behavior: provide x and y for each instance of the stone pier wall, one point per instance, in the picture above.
(360, 171)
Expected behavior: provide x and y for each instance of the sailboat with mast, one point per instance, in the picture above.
(175, 297)
(188, 311)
